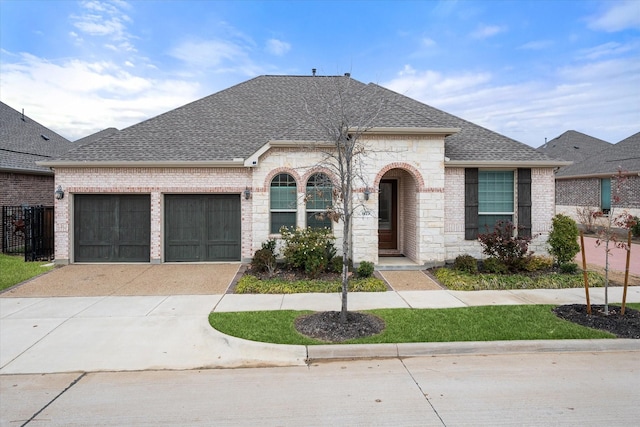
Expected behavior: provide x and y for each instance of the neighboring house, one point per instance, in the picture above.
(23, 142)
(573, 146)
(594, 182)
(214, 179)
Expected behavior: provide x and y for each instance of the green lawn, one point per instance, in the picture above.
(13, 270)
(486, 323)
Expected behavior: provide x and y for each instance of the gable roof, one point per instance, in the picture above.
(235, 123)
(95, 136)
(24, 141)
(573, 146)
(623, 156)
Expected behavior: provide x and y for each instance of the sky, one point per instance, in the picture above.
(529, 70)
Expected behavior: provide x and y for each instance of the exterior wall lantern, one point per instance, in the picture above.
(247, 193)
(367, 192)
(59, 193)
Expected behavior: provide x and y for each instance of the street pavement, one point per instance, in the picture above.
(559, 389)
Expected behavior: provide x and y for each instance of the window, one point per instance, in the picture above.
(495, 198)
(283, 202)
(605, 195)
(319, 199)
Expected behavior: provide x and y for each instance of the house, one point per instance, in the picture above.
(23, 142)
(573, 146)
(593, 183)
(214, 179)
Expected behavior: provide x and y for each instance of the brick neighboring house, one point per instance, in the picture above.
(214, 179)
(591, 182)
(23, 142)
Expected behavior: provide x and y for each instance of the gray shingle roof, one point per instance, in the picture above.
(23, 142)
(573, 146)
(236, 122)
(95, 136)
(624, 156)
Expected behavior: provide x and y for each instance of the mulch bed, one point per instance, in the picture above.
(627, 326)
(326, 326)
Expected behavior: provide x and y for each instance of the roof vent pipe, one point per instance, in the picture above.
(23, 114)
(313, 71)
(347, 74)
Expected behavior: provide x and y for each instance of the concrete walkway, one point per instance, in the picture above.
(125, 333)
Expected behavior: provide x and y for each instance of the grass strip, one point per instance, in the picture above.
(14, 270)
(484, 323)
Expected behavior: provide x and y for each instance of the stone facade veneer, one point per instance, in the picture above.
(430, 196)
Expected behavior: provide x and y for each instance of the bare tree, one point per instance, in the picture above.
(343, 110)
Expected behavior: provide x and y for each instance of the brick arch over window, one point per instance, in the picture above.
(415, 173)
(273, 173)
(327, 172)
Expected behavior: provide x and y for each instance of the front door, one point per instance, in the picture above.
(388, 215)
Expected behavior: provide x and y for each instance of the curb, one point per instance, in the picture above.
(317, 353)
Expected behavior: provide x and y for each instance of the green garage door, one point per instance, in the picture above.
(202, 227)
(112, 228)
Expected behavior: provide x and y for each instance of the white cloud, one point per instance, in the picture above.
(76, 98)
(486, 31)
(428, 42)
(102, 19)
(621, 16)
(601, 99)
(221, 56)
(607, 49)
(537, 45)
(277, 47)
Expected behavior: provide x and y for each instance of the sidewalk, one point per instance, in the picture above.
(118, 333)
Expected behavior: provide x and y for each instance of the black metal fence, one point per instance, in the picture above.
(28, 230)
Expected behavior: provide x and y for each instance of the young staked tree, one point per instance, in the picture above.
(343, 110)
(607, 234)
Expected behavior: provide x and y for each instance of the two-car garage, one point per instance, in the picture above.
(117, 227)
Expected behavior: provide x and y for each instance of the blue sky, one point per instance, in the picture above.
(527, 69)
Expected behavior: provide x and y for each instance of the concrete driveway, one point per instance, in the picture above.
(87, 280)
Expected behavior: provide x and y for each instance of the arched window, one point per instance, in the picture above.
(283, 203)
(319, 199)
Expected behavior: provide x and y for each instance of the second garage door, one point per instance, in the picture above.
(202, 227)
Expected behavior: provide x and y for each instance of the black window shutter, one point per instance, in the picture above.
(471, 204)
(524, 202)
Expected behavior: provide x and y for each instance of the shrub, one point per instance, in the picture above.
(635, 228)
(539, 263)
(569, 268)
(365, 269)
(307, 248)
(335, 265)
(563, 239)
(512, 250)
(494, 265)
(587, 217)
(264, 260)
(466, 263)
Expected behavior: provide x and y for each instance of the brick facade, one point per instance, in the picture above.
(24, 189)
(575, 194)
(542, 211)
(430, 197)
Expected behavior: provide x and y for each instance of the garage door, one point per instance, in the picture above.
(202, 227)
(111, 228)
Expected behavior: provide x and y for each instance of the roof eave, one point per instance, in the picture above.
(598, 175)
(26, 171)
(506, 163)
(143, 164)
